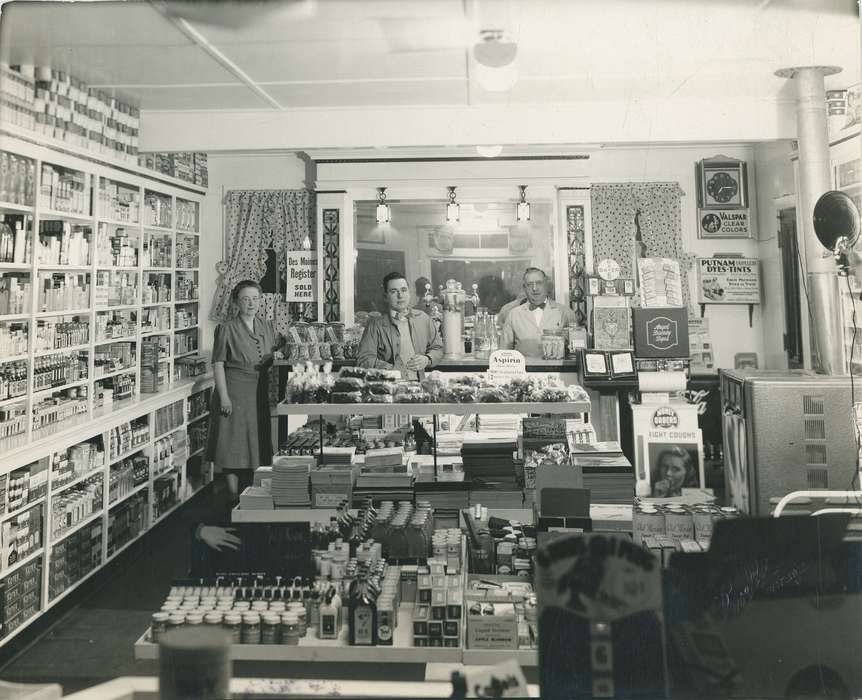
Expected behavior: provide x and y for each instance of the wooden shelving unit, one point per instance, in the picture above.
(96, 421)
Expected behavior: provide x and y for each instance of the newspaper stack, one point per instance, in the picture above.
(255, 498)
(290, 480)
(497, 422)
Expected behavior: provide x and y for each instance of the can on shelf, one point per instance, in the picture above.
(270, 628)
(250, 628)
(158, 626)
(232, 624)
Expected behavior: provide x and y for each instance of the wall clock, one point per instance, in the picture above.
(722, 183)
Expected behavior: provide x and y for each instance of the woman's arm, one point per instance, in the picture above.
(221, 387)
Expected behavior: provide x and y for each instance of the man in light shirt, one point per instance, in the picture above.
(523, 327)
(403, 338)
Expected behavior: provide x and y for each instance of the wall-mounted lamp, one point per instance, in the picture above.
(383, 212)
(522, 213)
(453, 209)
(489, 151)
(306, 242)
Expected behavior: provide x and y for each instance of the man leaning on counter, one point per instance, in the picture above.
(522, 329)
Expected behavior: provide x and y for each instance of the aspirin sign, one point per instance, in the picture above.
(504, 365)
(301, 275)
(728, 280)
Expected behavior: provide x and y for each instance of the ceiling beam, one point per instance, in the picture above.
(677, 120)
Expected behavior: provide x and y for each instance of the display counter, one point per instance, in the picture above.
(464, 364)
(147, 688)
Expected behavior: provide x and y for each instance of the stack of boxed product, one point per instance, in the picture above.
(191, 167)
(439, 602)
(57, 105)
(501, 614)
(22, 592)
(669, 525)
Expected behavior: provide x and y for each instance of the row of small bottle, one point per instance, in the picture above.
(58, 370)
(76, 461)
(76, 505)
(157, 210)
(185, 343)
(112, 358)
(14, 247)
(163, 454)
(113, 326)
(17, 179)
(65, 191)
(156, 319)
(13, 420)
(157, 292)
(63, 243)
(54, 335)
(55, 409)
(122, 386)
(127, 436)
(64, 293)
(119, 203)
(186, 317)
(187, 215)
(14, 295)
(159, 251)
(127, 475)
(486, 334)
(187, 288)
(13, 339)
(13, 379)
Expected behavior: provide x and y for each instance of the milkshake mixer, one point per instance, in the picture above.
(453, 298)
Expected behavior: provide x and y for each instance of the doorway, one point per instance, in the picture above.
(790, 262)
(371, 267)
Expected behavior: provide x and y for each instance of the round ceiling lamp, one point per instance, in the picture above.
(494, 53)
(489, 151)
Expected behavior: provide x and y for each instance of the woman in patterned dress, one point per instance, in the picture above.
(240, 436)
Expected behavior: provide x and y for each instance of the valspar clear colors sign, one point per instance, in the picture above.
(720, 223)
(728, 280)
(301, 275)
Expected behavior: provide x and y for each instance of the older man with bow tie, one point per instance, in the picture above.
(525, 323)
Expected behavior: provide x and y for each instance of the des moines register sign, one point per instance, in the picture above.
(301, 275)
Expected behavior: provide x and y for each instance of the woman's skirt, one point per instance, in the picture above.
(242, 440)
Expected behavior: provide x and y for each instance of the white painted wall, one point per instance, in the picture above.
(236, 172)
(775, 190)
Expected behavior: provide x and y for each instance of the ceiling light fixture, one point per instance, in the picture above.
(453, 209)
(489, 151)
(383, 212)
(495, 55)
(523, 210)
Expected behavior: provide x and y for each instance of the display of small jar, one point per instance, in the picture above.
(270, 629)
(289, 628)
(250, 628)
(553, 345)
(232, 624)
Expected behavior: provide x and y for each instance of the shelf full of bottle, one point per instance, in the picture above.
(127, 475)
(129, 436)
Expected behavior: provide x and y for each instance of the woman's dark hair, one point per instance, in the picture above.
(392, 276)
(234, 295)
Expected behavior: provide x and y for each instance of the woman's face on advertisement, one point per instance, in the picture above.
(673, 468)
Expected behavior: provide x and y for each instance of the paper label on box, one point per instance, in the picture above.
(328, 500)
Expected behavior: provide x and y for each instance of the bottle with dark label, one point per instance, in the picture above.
(362, 613)
(328, 628)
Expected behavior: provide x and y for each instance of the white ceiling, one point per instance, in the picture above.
(293, 55)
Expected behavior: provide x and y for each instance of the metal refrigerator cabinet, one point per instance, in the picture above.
(785, 430)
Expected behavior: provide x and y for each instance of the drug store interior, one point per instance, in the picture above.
(616, 453)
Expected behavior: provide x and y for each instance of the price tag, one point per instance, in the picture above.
(504, 365)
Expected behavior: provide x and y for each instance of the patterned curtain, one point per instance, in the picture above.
(254, 221)
(613, 208)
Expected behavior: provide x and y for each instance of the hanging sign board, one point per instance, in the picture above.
(719, 223)
(301, 275)
(728, 280)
